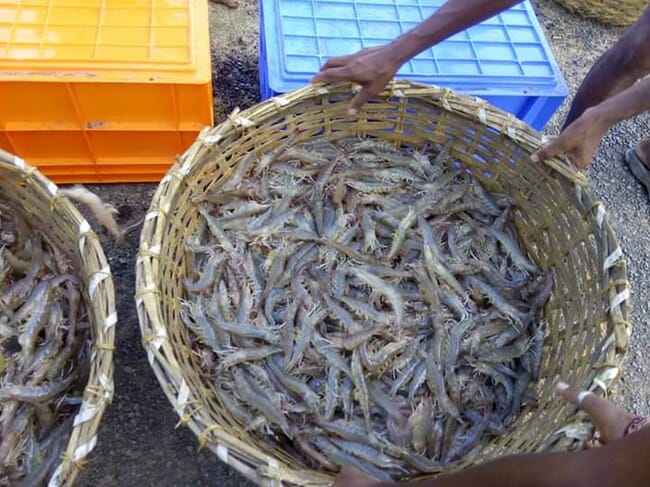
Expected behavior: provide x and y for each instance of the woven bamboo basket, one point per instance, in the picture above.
(62, 226)
(560, 221)
(613, 12)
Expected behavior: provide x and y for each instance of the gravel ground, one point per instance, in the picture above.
(138, 444)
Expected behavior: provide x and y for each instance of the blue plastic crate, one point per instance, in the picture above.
(504, 60)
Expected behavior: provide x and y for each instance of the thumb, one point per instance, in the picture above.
(553, 148)
(361, 98)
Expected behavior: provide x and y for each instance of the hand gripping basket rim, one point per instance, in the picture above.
(100, 302)
(162, 354)
(614, 12)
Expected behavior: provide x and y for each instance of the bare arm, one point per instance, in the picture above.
(621, 462)
(453, 17)
(534, 470)
(374, 67)
(580, 139)
(600, 467)
(616, 70)
(627, 104)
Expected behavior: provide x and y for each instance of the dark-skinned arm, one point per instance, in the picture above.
(374, 67)
(616, 70)
(621, 462)
(453, 17)
(580, 140)
(630, 103)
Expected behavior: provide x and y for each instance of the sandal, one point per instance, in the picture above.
(640, 171)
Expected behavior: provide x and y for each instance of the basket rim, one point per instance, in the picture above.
(607, 12)
(148, 305)
(98, 391)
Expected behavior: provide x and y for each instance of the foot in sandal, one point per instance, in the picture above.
(638, 159)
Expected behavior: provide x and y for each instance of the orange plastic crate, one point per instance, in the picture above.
(103, 90)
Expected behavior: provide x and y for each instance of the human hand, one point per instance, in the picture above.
(372, 68)
(610, 420)
(578, 141)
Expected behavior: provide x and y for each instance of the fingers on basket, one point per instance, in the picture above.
(567, 392)
(553, 148)
(334, 69)
(590, 403)
(361, 98)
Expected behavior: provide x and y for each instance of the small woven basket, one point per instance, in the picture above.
(34, 196)
(560, 222)
(613, 12)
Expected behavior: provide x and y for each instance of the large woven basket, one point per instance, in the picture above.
(62, 226)
(613, 12)
(561, 223)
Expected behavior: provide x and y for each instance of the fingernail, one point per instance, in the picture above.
(352, 112)
(561, 386)
(534, 158)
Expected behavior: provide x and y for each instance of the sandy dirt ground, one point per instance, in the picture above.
(138, 442)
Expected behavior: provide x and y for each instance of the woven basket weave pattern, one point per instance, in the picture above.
(559, 221)
(62, 226)
(613, 12)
